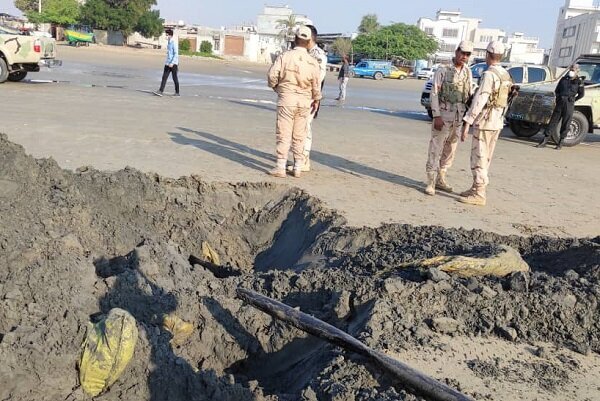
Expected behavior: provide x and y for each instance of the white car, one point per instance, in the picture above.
(426, 73)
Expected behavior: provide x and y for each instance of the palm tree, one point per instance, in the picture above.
(287, 27)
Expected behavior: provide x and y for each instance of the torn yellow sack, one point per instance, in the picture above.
(505, 262)
(209, 254)
(106, 351)
(180, 329)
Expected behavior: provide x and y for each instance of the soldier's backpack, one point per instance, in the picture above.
(499, 99)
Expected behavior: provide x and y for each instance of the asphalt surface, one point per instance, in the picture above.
(368, 159)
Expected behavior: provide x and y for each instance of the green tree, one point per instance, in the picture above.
(26, 5)
(185, 45)
(150, 25)
(342, 46)
(59, 12)
(122, 15)
(206, 47)
(396, 40)
(368, 24)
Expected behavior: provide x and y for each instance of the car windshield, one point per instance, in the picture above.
(590, 72)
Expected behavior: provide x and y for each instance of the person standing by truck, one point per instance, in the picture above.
(486, 115)
(452, 88)
(343, 78)
(171, 64)
(569, 90)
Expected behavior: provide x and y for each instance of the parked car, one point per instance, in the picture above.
(520, 73)
(20, 54)
(377, 69)
(531, 111)
(396, 73)
(426, 73)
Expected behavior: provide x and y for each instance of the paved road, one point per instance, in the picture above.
(368, 160)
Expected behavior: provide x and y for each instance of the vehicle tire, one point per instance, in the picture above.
(430, 113)
(378, 76)
(352, 75)
(524, 129)
(578, 130)
(360, 76)
(402, 77)
(17, 76)
(3, 70)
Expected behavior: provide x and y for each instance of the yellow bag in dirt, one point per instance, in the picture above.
(180, 329)
(107, 349)
(505, 262)
(209, 254)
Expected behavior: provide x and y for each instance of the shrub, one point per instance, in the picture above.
(184, 45)
(206, 47)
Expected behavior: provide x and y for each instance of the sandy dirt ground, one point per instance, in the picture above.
(368, 156)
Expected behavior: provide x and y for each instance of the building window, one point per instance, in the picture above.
(565, 51)
(450, 33)
(569, 32)
(447, 47)
(486, 38)
(428, 31)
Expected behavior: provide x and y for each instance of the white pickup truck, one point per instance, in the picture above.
(20, 54)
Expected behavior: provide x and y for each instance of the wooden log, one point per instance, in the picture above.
(412, 379)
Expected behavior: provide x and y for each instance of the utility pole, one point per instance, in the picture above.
(39, 6)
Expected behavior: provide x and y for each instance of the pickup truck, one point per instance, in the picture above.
(20, 54)
(531, 111)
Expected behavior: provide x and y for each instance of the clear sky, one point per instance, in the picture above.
(533, 17)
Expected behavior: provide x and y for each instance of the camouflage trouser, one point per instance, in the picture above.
(291, 131)
(308, 140)
(442, 146)
(482, 150)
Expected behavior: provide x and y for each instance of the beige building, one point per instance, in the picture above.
(577, 32)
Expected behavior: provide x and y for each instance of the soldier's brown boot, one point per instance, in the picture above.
(477, 198)
(430, 189)
(441, 183)
(279, 170)
(468, 192)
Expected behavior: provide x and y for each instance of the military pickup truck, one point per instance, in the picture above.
(530, 112)
(20, 54)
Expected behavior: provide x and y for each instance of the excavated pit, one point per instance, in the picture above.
(74, 245)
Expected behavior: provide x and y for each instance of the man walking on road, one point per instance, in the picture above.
(171, 64)
(569, 90)
(295, 77)
(452, 88)
(486, 115)
(343, 78)
(321, 58)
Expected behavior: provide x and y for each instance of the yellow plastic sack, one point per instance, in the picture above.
(209, 254)
(106, 351)
(180, 329)
(505, 262)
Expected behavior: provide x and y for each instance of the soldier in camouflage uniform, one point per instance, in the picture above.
(486, 115)
(452, 87)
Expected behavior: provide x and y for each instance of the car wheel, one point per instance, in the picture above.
(378, 75)
(524, 129)
(352, 75)
(3, 70)
(578, 129)
(402, 77)
(17, 76)
(430, 113)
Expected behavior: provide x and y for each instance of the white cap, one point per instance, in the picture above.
(496, 47)
(465, 46)
(304, 32)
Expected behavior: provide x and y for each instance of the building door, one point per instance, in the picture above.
(234, 45)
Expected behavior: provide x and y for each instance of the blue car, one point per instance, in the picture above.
(377, 69)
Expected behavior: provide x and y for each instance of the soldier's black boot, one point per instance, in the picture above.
(543, 143)
(559, 144)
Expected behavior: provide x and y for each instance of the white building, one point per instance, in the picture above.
(270, 26)
(450, 28)
(524, 49)
(577, 32)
